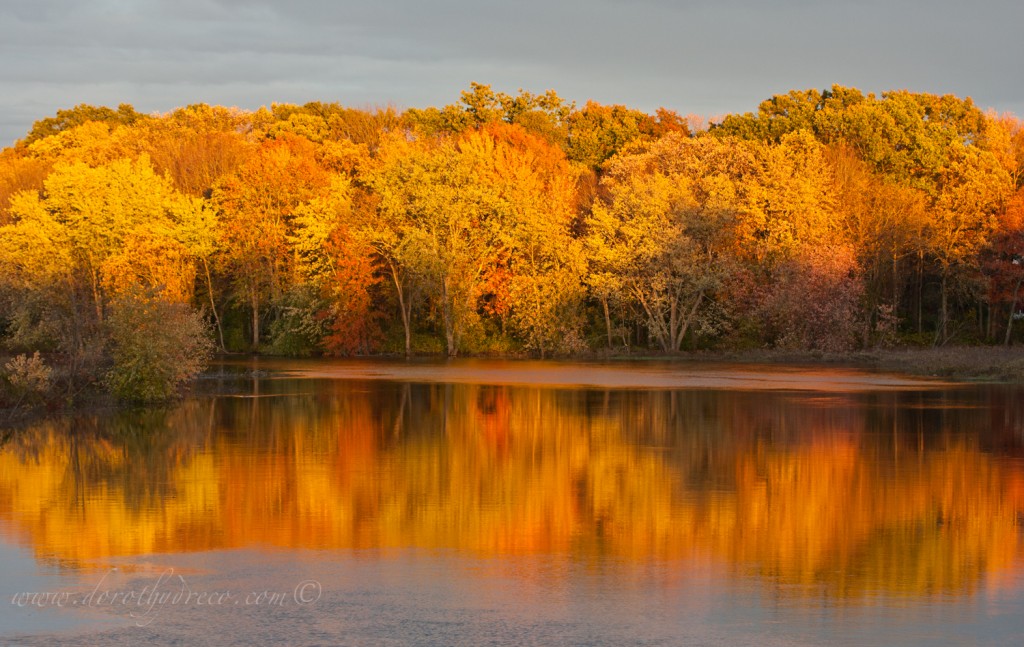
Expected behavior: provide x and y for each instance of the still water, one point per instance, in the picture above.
(509, 503)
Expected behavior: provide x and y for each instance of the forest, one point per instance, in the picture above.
(134, 246)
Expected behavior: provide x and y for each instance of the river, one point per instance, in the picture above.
(483, 502)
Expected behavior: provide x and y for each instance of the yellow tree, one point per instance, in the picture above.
(19, 171)
(607, 257)
(487, 211)
(387, 224)
(973, 188)
(100, 209)
(445, 233)
(335, 257)
(197, 145)
(40, 284)
(542, 264)
(93, 143)
(668, 226)
(792, 204)
(94, 235)
(199, 231)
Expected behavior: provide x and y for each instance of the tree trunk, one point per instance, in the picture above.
(940, 329)
(97, 297)
(607, 321)
(920, 294)
(1013, 310)
(448, 315)
(689, 318)
(213, 306)
(674, 324)
(254, 300)
(895, 287)
(406, 309)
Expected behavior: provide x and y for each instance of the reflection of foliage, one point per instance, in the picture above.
(98, 480)
(853, 495)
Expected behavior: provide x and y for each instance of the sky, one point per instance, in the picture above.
(695, 57)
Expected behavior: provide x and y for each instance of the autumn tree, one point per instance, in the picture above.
(19, 172)
(884, 223)
(80, 114)
(93, 235)
(543, 115)
(543, 263)
(446, 227)
(668, 225)
(100, 212)
(258, 202)
(158, 346)
(597, 132)
(1003, 264)
(197, 145)
(814, 302)
(334, 256)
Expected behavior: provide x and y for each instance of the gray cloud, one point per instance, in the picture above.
(708, 58)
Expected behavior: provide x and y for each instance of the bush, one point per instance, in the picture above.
(158, 346)
(29, 378)
(297, 331)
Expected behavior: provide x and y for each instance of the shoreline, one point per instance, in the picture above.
(997, 364)
(966, 364)
(956, 363)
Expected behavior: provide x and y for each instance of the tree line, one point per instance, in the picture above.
(522, 224)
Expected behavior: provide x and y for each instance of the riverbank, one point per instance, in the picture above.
(966, 363)
(952, 363)
(958, 363)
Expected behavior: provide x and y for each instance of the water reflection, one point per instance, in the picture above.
(843, 495)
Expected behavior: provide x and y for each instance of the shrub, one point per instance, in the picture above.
(30, 379)
(157, 347)
(296, 331)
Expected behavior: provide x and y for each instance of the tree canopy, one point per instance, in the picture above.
(517, 223)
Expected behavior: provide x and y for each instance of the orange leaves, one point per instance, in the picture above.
(258, 202)
(489, 211)
(352, 314)
(282, 174)
(19, 172)
(158, 264)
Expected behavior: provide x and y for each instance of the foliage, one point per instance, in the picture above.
(29, 378)
(664, 237)
(814, 301)
(157, 346)
(258, 202)
(80, 114)
(515, 223)
(297, 330)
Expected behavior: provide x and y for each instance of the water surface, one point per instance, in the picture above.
(524, 503)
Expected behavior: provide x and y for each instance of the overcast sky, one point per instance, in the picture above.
(698, 57)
